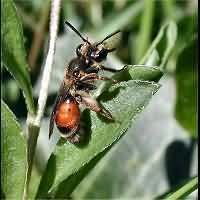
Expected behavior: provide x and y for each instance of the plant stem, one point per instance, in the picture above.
(184, 191)
(34, 122)
(54, 19)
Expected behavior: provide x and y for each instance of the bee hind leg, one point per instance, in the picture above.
(78, 136)
(88, 102)
(74, 139)
(72, 135)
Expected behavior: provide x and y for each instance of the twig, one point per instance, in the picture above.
(34, 123)
(54, 18)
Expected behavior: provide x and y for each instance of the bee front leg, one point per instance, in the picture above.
(113, 70)
(103, 78)
(102, 67)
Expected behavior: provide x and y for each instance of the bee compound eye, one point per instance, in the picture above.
(78, 50)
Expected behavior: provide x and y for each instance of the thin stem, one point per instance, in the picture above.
(34, 122)
(184, 190)
(54, 18)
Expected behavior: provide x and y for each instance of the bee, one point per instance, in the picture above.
(79, 77)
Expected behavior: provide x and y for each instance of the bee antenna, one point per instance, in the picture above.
(108, 37)
(76, 31)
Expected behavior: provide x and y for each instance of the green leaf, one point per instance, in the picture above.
(133, 72)
(182, 191)
(187, 26)
(13, 155)
(186, 84)
(125, 100)
(139, 72)
(13, 52)
(34, 182)
(166, 35)
(140, 156)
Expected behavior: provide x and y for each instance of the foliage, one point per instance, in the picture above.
(182, 191)
(155, 50)
(13, 54)
(186, 77)
(13, 152)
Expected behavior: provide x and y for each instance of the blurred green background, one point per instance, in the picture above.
(160, 150)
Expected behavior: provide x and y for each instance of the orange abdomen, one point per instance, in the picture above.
(67, 114)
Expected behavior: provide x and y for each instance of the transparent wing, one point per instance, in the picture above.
(51, 123)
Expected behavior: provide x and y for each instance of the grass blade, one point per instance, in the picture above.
(13, 52)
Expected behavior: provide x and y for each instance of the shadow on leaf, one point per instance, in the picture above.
(47, 179)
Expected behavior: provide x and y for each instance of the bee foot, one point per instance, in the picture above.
(75, 139)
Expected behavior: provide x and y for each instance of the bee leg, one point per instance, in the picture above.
(89, 77)
(87, 101)
(106, 79)
(66, 133)
(106, 113)
(102, 67)
(93, 77)
(74, 139)
(113, 70)
(85, 86)
(78, 136)
(73, 136)
(91, 70)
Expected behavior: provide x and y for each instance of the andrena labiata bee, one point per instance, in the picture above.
(79, 78)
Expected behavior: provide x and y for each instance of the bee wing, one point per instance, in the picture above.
(51, 123)
(111, 41)
(63, 91)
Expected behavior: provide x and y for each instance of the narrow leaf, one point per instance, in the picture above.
(13, 155)
(182, 191)
(13, 52)
(186, 84)
(168, 35)
(171, 36)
